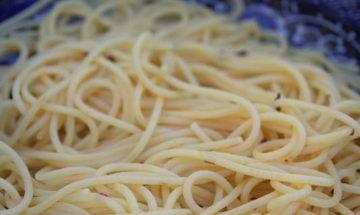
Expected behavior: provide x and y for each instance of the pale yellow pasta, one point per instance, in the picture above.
(163, 107)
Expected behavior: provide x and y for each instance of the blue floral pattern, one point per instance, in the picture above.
(329, 25)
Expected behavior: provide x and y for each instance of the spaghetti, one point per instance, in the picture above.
(127, 107)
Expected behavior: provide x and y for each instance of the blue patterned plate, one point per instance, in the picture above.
(329, 25)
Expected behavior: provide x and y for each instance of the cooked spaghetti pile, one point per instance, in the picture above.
(168, 108)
